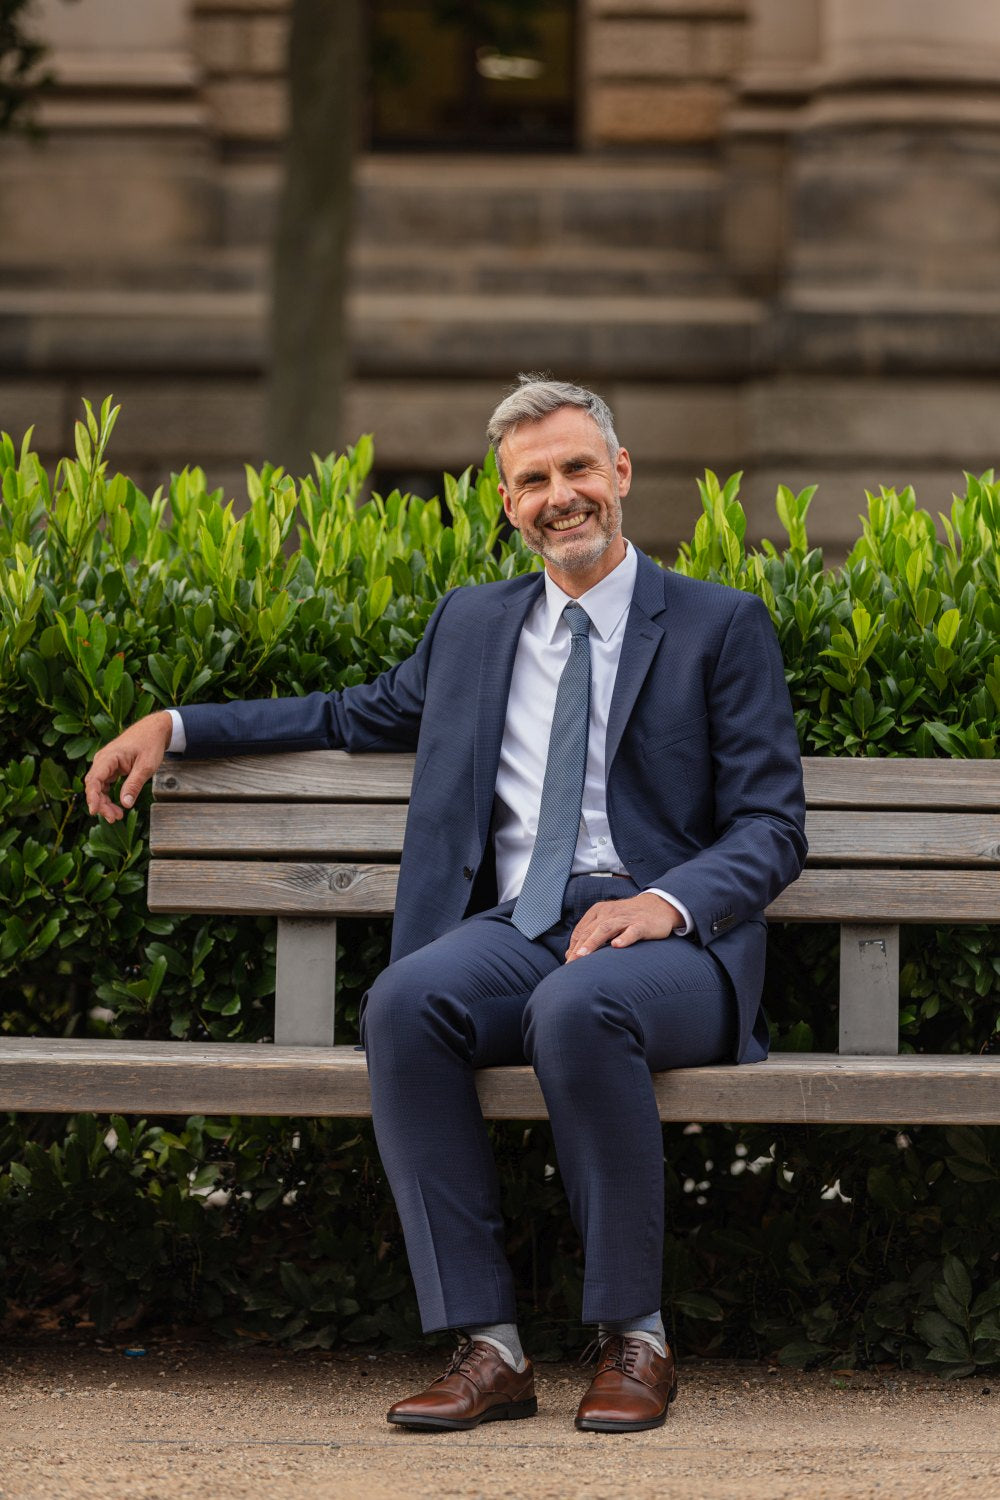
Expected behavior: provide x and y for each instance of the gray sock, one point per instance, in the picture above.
(649, 1328)
(504, 1339)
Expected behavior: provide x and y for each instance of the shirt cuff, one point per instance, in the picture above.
(666, 896)
(178, 739)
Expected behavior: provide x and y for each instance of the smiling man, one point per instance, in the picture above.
(607, 794)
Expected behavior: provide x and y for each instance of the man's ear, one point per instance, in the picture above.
(508, 507)
(623, 468)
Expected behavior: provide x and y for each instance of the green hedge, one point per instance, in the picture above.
(842, 1243)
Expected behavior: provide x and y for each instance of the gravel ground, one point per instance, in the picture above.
(199, 1422)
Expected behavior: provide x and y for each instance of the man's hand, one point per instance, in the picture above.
(135, 754)
(622, 923)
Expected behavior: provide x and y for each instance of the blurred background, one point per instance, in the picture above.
(768, 231)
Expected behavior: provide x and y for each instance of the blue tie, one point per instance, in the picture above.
(539, 905)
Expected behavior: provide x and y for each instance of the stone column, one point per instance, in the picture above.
(897, 173)
(882, 358)
(781, 56)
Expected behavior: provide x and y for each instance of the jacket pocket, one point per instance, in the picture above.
(691, 729)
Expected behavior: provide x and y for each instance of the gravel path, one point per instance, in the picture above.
(200, 1422)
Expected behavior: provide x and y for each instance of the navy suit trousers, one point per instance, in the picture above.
(484, 995)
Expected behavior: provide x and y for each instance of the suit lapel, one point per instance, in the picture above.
(500, 637)
(642, 637)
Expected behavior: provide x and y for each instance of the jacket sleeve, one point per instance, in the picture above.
(380, 715)
(760, 844)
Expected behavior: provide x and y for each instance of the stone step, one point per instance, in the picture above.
(585, 336)
(453, 202)
(213, 270)
(569, 200)
(397, 335)
(392, 334)
(547, 270)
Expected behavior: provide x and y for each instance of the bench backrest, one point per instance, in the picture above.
(313, 836)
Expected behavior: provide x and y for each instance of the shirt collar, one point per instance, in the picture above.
(605, 603)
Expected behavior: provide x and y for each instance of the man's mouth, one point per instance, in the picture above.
(568, 523)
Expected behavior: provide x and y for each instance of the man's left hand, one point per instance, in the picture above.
(621, 923)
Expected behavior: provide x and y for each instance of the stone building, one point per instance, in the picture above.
(767, 230)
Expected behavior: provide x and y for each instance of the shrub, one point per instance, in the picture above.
(851, 1243)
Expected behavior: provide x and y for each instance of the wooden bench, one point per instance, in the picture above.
(311, 837)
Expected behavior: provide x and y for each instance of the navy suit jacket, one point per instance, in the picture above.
(704, 779)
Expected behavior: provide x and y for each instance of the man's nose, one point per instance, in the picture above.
(562, 491)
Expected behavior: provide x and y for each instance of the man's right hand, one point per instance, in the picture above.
(135, 754)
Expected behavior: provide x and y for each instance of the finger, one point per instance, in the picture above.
(632, 934)
(95, 785)
(108, 764)
(582, 927)
(107, 810)
(598, 936)
(592, 916)
(137, 778)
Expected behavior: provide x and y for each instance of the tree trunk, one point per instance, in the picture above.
(309, 355)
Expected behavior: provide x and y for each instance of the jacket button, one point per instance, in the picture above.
(715, 928)
(468, 872)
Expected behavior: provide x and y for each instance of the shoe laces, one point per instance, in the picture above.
(464, 1359)
(615, 1352)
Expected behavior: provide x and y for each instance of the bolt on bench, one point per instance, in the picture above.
(313, 836)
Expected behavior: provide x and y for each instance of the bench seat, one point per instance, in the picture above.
(222, 1078)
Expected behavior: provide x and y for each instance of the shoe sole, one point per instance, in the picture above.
(512, 1412)
(595, 1424)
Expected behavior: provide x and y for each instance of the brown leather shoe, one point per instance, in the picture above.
(632, 1389)
(478, 1386)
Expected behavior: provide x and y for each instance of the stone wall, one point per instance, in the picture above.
(776, 250)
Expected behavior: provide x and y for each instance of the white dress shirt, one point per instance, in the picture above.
(542, 652)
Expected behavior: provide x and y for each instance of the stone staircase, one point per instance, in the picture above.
(461, 266)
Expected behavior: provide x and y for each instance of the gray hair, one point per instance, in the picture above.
(534, 397)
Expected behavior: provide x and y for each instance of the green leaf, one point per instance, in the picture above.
(296, 1285)
(969, 1172)
(988, 1301)
(947, 626)
(943, 1335)
(957, 1280)
(378, 598)
(698, 1305)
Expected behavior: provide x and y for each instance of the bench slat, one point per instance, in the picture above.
(320, 829)
(942, 784)
(890, 896)
(855, 838)
(238, 887)
(305, 776)
(307, 828)
(183, 1078)
(330, 829)
(333, 775)
(246, 888)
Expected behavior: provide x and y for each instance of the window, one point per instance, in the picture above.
(479, 75)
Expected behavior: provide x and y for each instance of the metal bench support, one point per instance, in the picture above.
(306, 987)
(869, 990)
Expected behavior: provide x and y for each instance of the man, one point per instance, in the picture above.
(607, 794)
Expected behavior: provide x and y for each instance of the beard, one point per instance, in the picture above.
(572, 552)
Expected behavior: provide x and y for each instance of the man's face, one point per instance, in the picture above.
(563, 493)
